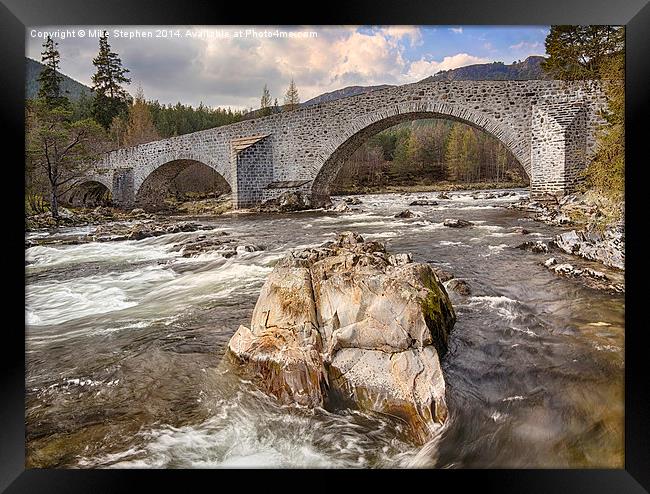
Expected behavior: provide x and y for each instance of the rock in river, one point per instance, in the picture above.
(407, 214)
(459, 286)
(457, 223)
(537, 246)
(348, 324)
(423, 202)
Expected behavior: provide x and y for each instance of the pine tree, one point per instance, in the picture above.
(62, 150)
(49, 80)
(291, 98)
(276, 107)
(111, 99)
(578, 52)
(265, 103)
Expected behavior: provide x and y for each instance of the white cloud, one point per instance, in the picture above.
(423, 68)
(228, 71)
(456, 30)
(527, 45)
(398, 32)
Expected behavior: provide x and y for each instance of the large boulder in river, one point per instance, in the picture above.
(348, 324)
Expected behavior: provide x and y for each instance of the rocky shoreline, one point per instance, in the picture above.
(595, 236)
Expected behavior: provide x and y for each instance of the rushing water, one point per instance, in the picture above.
(125, 340)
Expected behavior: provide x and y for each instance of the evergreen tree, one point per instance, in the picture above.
(265, 103)
(111, 99)
(61, 150)
(578, 52)
(276, 107)
(49, 80)
(291, 98)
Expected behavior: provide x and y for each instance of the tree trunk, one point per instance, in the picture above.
(54, 203)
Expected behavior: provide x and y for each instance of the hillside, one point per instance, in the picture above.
(70, 88)
(497, 71)
(343, 93)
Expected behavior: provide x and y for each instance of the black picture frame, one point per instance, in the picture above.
(17, 14)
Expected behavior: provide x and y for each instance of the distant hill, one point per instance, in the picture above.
(323, 98)
(343, 93)
(497, 71)
(69, 87)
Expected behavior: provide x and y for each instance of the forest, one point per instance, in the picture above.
(426, 152)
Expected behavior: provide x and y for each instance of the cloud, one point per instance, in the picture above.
(228, 71)
(456, 30)
(527, 45)
(413, 33)
(423, 68)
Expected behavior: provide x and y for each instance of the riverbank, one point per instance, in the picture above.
(171, 210)
(597, 226)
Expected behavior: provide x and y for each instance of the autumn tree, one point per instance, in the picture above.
(140, 127)
(606, 172)
(291, 98)
(111, 99)
(62, 150)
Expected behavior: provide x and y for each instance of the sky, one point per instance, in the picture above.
(228, 66)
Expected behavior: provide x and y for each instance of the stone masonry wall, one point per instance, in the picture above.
(311, 143)
(253, 171)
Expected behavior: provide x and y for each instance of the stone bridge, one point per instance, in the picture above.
(549, 126)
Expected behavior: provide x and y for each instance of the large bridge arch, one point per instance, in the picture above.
(349, 138)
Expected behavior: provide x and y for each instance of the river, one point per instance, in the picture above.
(124, 342)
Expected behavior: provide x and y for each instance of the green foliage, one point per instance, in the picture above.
(606, 172)
(111, 100)
(178, 119)
(58, 149)
(579, 52)
(426, 152)
(70, 88)
(49, 80)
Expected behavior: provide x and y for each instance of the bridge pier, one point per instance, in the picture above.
(558, 153)
(252, 169)
(123, 191)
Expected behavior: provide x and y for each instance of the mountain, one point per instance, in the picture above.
(343, 93)
(69, 87)
(497, 71)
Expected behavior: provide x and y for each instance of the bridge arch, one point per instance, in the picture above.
(90, 192)
(350, 137)
(163, 179)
